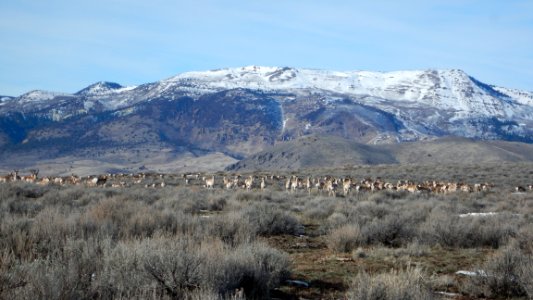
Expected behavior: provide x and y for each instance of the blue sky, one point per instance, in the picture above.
(66, 45)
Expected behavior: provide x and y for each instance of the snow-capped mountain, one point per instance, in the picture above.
(101, 88)
(443, 89)
(38, 96)
(239, 111)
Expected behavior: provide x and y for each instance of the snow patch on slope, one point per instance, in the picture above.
(39, 95)
(452, 90)
(522, 97)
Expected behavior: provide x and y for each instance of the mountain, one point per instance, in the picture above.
(319, 152)
(100, 88)
(236, 112)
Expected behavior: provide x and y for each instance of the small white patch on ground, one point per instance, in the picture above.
(486, 214)
(472, 273)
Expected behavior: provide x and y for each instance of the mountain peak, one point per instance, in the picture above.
(38, 95)
(100, 88)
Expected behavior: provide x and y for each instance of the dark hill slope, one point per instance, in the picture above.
(333, 152)
(314, 152)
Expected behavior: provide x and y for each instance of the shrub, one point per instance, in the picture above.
(231, 228)
(408, 284)
(185, 267)
(507, 274)
(268, 219)
(345, 238)
(319, 209)
(393, 230)
(68, 274)
(11, 275)
(452, 231)
(255, 267)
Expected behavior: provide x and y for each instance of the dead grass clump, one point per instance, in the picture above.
(408, 284)
(345, 238)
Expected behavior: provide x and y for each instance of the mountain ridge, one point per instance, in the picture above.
(240, 111)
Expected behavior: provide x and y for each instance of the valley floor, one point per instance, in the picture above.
(183, 241)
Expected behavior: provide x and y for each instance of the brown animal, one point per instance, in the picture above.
(228, 183)
(5, 178)
(346, 186)
(31, 178)
(210, 182)
(308, 184)
(331, 187)
(249, 182)
(288, 183)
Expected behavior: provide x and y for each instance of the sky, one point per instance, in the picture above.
(65, 45)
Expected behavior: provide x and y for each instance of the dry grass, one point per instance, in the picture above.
(189, 243)
(403, 284)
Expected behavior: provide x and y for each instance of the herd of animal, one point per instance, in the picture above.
(331, 185)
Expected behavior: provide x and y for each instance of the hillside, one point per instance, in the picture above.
(318, 152)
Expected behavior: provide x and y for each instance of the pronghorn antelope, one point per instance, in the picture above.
(7, 178)
(97, 181)
(288, 183)
(308, 185)
(295, 183)
(249, 182)
(15, 175)
(389, 186)
(346, 186)
(320, 185)
(236, 180)
(118, 184)
(263, 183)
(331, 187)
(520, 189)
(58, 180)
(32, 177)
(466, 188)
(412, 188)
(44, 181)
(210, 182)
(228, 183)
(73, 179)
